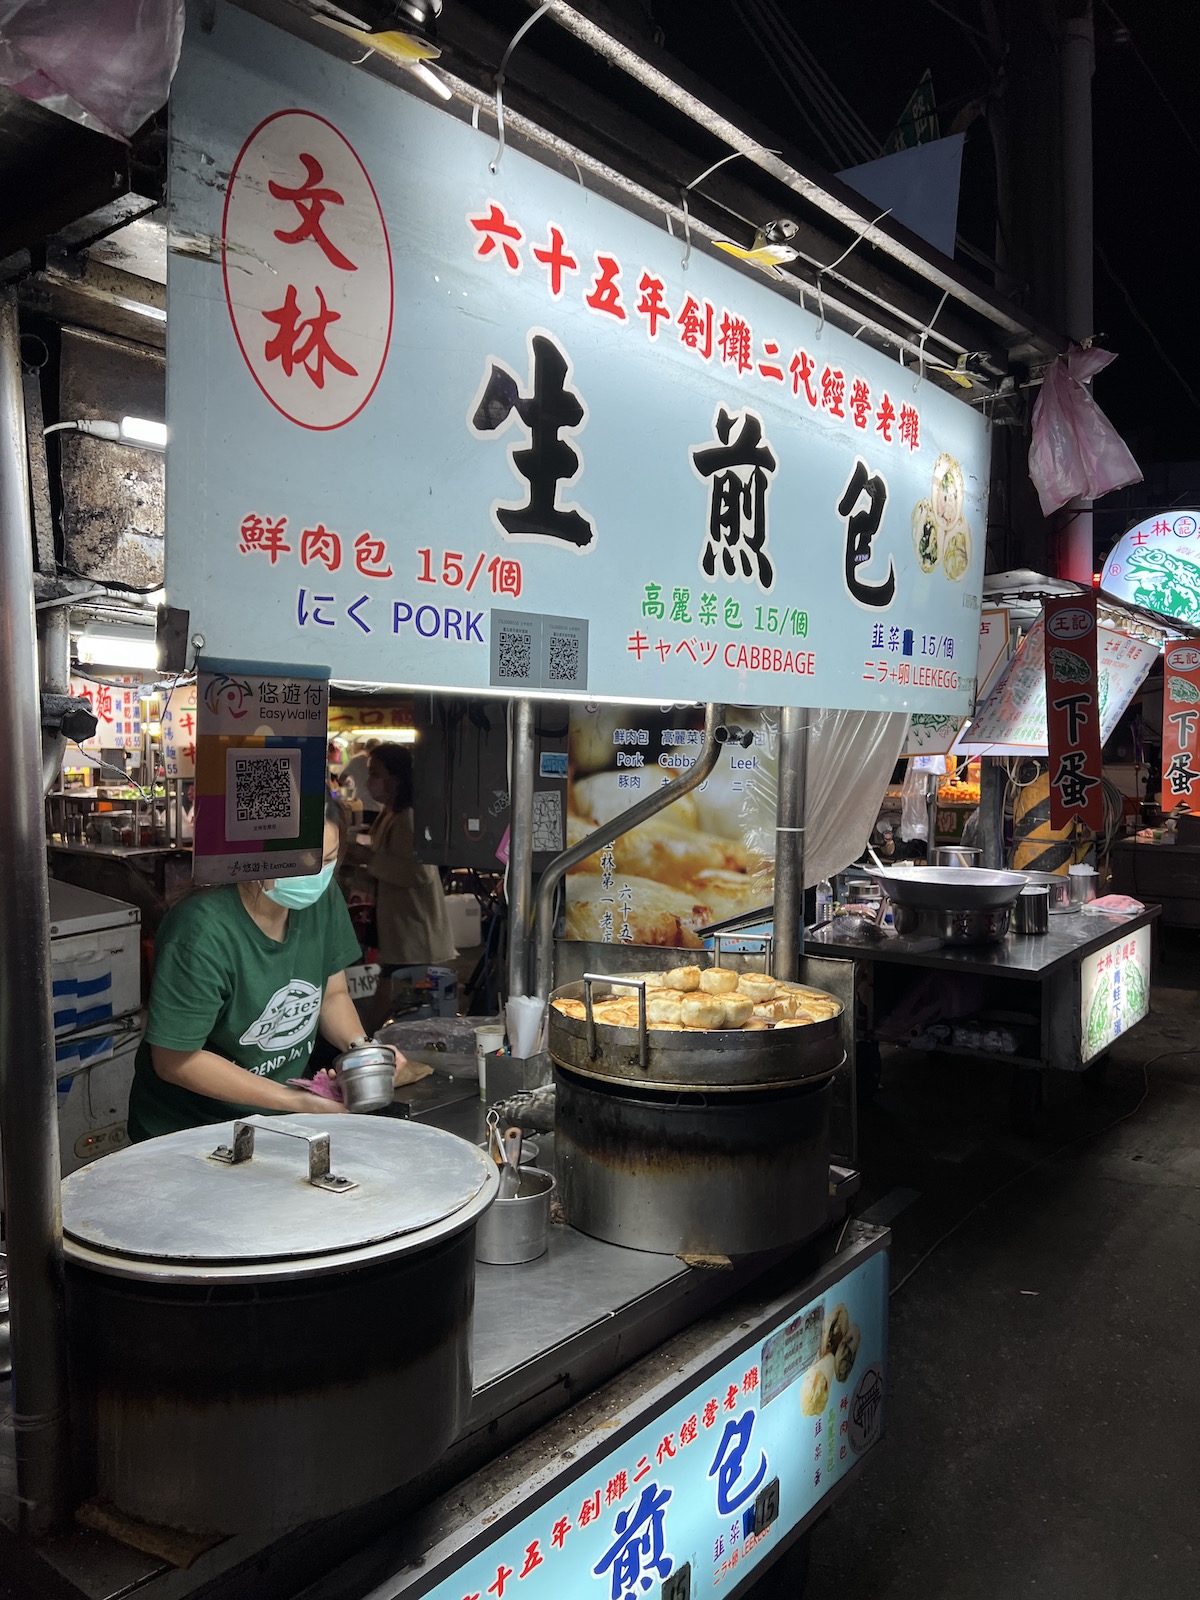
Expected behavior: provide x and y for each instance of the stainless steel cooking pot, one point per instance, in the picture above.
(271, 1318)
(715, 1059)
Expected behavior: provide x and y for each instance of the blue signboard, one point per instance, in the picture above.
(713, 1484)
(444, 426)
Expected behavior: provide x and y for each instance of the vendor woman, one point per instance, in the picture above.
(244, 978)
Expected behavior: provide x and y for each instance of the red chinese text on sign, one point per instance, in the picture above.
(1181, 724)
(307, 269)
(1073, 712)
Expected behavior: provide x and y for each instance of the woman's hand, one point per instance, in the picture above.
(399, 1063)
(313, 1102)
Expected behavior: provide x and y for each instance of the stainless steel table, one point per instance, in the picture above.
(1051, 992)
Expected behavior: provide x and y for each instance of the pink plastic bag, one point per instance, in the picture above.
(106, 64)
(1076, 450)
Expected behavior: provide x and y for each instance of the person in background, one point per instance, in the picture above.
(245, 977)
(413, 925)
(354, 779)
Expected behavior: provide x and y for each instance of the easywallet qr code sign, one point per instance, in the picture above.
(261, 743)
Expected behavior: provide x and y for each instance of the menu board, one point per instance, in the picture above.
(1013, 721)
(117, 707)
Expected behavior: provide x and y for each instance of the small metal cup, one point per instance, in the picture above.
(1033, 910)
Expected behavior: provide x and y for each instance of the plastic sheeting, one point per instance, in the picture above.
(850, 761)
(105, 64)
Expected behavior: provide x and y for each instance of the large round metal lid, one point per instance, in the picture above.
(266, 1196)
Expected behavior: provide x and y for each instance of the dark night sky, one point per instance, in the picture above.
(1147, 159)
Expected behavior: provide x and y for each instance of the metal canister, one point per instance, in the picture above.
(1033, 910)
(367, 1076)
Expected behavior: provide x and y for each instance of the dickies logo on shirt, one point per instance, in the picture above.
(287, 1017)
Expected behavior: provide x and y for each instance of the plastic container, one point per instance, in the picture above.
(463, 912)
(518, 1229)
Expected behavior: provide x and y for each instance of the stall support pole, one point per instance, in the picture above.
(520, 845)
(789, 840)
(55, 656)
(931, 795)
(28, 1095)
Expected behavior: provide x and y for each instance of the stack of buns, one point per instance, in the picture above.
(709, 998)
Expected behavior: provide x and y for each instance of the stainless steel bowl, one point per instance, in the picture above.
(950, 888)
(982, 925)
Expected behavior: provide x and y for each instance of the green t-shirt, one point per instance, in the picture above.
(221, 984)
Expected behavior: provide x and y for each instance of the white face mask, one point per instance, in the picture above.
(296, 894)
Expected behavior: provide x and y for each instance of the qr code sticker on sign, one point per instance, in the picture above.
(262, 794)
(564, 657)
(514, 652)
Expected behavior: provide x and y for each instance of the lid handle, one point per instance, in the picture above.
(589, 978)
(319, 1174)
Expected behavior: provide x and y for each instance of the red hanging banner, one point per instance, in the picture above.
(1073, 713)
(1181, 724)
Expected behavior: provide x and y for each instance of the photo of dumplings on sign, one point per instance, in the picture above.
(941, 534)
(706, 857)
(839, 1349)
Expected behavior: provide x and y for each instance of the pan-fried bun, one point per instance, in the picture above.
(703, 1011)
(739, 1009)
(758, 985)
(686, 978)
(718, 980)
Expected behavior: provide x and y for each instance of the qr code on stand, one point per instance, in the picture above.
(262, 794)
(515, 646)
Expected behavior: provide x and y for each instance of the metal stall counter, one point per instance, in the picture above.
(1037, 1001)
(622, 1401)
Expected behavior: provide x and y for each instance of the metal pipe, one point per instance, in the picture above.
(1077, 66)
(931, 794)
(543, 918)
(520, 858)
(28, 1098)
(789, 840)
(54, 640)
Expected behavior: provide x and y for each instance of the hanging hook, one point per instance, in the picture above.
(683, 196)
(925, 332)
(512, 45)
